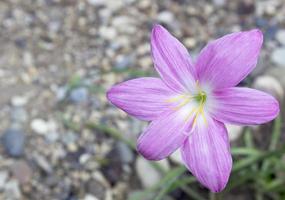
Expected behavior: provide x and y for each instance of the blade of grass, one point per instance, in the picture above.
(238, 151)
(274, 141)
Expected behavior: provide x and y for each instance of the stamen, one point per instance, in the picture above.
(184, 99)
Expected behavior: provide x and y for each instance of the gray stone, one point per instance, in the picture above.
(14, 142)
(234, 131)
(21, 171)
(278, 56)
(176, 157)
(61, 93)
(165, 17)
(19, 115)
(270, 85)
(219, 2)
(43, 163)
(3, 178)
(125, 152)
(280, 36)
(123, 62)
(79, 95)
(12, 190)
(148, 175)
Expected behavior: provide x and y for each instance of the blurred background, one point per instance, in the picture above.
(62, 140)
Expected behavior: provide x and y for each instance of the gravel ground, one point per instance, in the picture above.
(58, 57)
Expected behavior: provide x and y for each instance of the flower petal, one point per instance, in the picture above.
(207, 154)
(225, 62)
(164, 135)
(244, 106)
(171, 60)
(144, 98)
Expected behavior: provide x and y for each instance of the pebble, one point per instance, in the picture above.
(270, 85)
(165, 17)
(94, 188)
(21, 171)
(61, 93)
(90, 197)
(278, 56)
(3, 178)
(219, 2)
(96, 2)
(12, 190)
(125, 153)
(18, 115)
(176, 157)
(19, 101)
(144, 167)
(79, 95)
(107, 33)
(14, 142)
(39, 126)
(123, 62)
(43, 163)
(234, 131)
(280, 36)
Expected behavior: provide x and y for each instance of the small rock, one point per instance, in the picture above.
(12, 190)
(21, 171)
(61, 93)
(234, 131)
(19, 101)
(176, 157)
(43, 163)
(52, 136)
(125, 153)
(278, 56)
(94, 188)
(3, 179)
(96, 2)
(107, 33)
(90, 197)
(165, 17)
(270, 85)
(246, 7)
(144, 167)
(219, 2)
(39, 126)
(14, 142)
(280, 36)
(79, 95)
(123, 62)
(18, 114)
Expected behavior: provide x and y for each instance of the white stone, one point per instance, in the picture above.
(270, 85)
(3, 178)
(176, 157)
(165, 17)
(19, 101)
(280, 36)
(39, 126)
(107, 33)
(234, 131)
(96, 2)
(278, 56)
(12, 190)
(149, 176)
(90, 197)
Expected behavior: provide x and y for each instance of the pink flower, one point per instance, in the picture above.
(191, 102)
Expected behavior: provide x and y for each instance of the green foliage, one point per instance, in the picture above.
(262, 172)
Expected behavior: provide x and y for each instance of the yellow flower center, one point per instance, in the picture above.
(200, 100)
